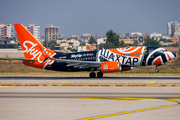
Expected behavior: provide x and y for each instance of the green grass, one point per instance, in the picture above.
(13, 67)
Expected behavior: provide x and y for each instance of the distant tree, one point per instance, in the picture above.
(15, 45)
(151, 42)
(112, 37)
(107, 45)
(45, 43)
(92, 40)
(73, 50)
(135, 43)
(165, 40)
(68, 48)
(1, 46)
(173, 45)
(112, 40)
(122, 44)
(11, 46)
(5, 46)
(52, 44)
(82, 43)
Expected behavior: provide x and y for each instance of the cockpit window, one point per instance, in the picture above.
(161, 51)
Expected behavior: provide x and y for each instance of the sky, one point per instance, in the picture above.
(92, 16)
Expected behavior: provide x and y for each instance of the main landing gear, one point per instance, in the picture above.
(99, 74)
(156, 70)
(93, 75)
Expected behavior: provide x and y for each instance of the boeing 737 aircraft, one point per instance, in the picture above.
(104, 60)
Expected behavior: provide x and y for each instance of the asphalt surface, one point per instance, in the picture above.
(87, 103)
(87, 78)
(59, 79)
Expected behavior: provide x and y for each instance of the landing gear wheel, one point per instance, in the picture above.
(157, 70)
(99, 74)
(92, 75)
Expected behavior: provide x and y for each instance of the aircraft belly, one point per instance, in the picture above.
(62, 66)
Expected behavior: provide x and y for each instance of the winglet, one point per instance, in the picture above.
(89, 47)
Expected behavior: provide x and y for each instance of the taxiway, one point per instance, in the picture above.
(87, 103)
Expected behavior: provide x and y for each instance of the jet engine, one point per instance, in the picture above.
(110, 66)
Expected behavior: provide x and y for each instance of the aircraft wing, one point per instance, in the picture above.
(75, 63)
(81, 64)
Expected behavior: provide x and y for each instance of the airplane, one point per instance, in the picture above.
(104, 60)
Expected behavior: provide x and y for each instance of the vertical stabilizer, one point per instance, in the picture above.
(31, 47)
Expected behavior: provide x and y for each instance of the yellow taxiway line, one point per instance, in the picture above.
(5, 86)
(133, 111)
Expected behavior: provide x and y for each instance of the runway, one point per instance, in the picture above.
(87, 78)
(88, 103)
(59, 79)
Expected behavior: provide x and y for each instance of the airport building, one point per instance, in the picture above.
(156, 36)
(6, 30)
(34, 30)
(173, 29)
(52, 33)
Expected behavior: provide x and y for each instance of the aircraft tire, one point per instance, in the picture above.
(157, 70)
(99, 74)
(92, 75)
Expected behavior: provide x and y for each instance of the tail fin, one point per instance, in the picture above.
(32, 48)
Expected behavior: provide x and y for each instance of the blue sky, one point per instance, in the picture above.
(92, 16)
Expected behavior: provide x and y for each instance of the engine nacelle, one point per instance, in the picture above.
(113, 67)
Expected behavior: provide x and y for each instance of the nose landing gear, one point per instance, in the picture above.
(156, 70)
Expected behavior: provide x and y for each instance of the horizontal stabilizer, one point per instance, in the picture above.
(30, 60)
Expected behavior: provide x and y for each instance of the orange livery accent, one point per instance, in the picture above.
(32, 48)
(128, 51)
(109, 66)
(157, 61)
(169, 57)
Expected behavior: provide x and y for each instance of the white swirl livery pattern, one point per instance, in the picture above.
(34, 52)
